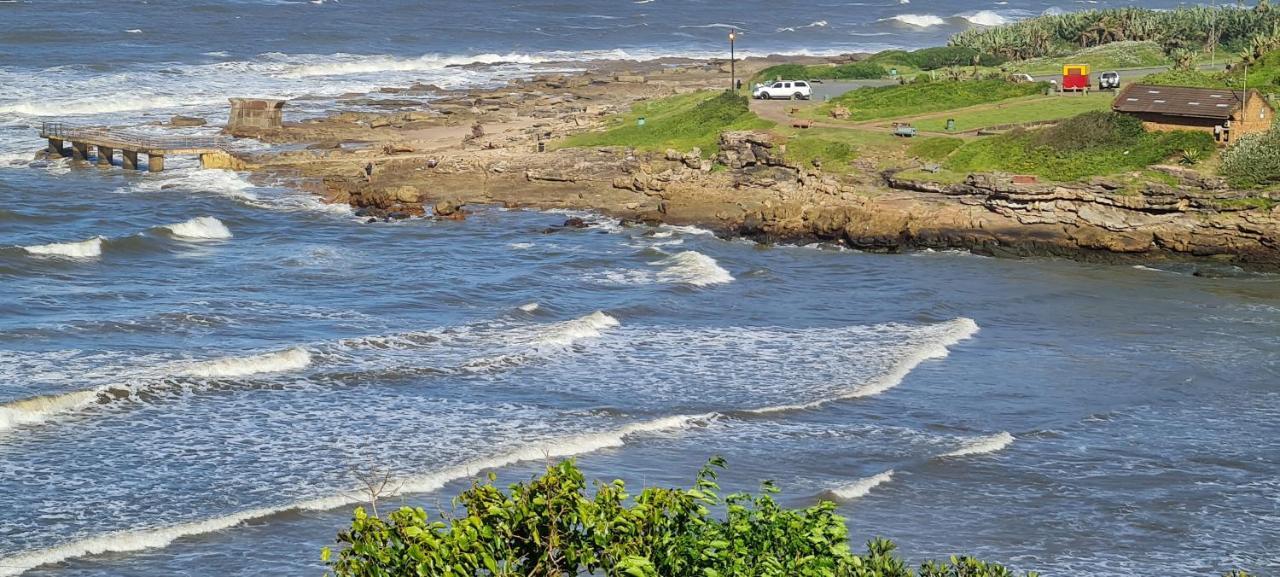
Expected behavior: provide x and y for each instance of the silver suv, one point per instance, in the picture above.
(1109, 81)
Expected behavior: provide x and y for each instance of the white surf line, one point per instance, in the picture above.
(85, 249)
(861, 487)
(154, 538)
(39, 409)
(200, 228)
(35, 410)
(982, 445)
(959, 330)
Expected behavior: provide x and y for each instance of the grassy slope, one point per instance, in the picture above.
(680, 122)
(1091, 144)
(912, 99)
(1030, 109)
(1114, 56)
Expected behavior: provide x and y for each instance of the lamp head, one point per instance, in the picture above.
(733, 34)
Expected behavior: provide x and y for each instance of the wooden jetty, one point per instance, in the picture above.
(130, 144)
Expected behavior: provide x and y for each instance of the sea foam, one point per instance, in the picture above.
(919, 20)
(38, 409)
(984, 18)
(153, 538)
(982, 446)
(860, 488)
(275, 362)
(200, 228)
(936, 346)
(91, 248)
(693, 268)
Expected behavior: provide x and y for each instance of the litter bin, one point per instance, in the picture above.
(640, 121)
(951, 124)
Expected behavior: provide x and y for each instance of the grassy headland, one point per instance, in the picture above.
(925, 97)
(681, 122)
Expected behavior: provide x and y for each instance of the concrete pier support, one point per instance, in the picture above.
(155, 162)
(55, 147)
(129, 159)
(79, 150)
(105, 154)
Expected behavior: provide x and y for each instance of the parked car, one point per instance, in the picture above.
(793, 89)
(1109, 81)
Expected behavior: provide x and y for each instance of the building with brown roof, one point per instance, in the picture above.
(1226, 113)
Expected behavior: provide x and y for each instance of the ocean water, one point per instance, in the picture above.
(195, 369)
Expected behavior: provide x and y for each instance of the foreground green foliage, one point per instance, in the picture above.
(850, 71)
(682, 122)
(1195, 28)
(924, 97)
(1253, 160)
(549, 527)
(1091, 144)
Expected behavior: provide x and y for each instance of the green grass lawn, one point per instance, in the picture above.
(680, 122)
(1113, 56)
(1030, 109)
(926, 97)
(1091, 144)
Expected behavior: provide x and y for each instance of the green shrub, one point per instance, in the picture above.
(1091, 144)
(1194, 78)
(681, 122)
(550, 527)
(919, 98)
(936, 58)
(1253, 160)
(851, 71)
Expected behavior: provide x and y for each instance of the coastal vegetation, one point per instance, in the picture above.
(849, 71)
(1017, 111)
(936, 58)
(549, 526)
(924, 97)
(1253, 160)
(1091, 144)
(1194, 28)
(683, 122)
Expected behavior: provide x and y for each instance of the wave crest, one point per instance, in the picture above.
(91, 248)
(983, 445)
(919, 20)
(200, 228)
(280, 361)
(860, 488)
(38, 409)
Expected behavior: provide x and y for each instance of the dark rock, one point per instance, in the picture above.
(398, 215)
(575, 222)
(371, 220)
(187, 121)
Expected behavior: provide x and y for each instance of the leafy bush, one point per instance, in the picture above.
(851, 71)
(1194, 78)
(1253, 160)
(936, 57)
(549, 527)
(919, 98)
(681, 122)
(1091, 144)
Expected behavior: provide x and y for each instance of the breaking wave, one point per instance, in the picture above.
(984, 18)
(91, 248)
(152, 538)
(693, 268)
(200, 228)
(938, 347)
(287, 360)
(982, 445)
(37, 409)
(919, 20)
(860, 488)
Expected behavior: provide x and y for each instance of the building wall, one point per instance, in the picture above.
(1257, 116)
(1164, 123)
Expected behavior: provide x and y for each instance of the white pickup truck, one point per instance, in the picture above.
(784, 89)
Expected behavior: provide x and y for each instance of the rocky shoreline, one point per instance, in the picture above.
(498, 147)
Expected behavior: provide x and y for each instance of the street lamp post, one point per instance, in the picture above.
(733, 70)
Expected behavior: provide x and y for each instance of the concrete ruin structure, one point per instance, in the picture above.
(249, 115)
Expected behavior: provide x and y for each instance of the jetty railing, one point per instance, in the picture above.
(129, 142)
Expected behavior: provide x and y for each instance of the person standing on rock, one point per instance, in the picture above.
(368, 171)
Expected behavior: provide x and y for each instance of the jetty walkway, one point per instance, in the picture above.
(130, 144)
